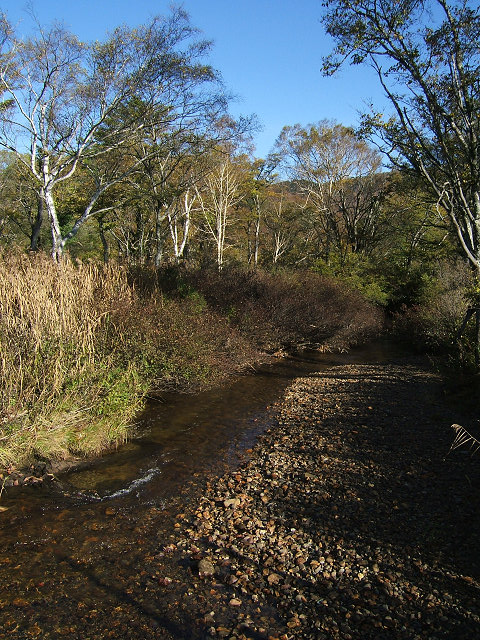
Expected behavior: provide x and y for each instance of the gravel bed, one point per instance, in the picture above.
(349, 519)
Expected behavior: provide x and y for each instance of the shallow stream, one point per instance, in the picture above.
(74, 538)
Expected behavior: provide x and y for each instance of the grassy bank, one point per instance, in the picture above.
(82, 345)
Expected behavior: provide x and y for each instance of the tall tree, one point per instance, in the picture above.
(22, 211)
(217, 196)
(282, 218)
(257, 193)
(339, 175)
(167, 159)
(64, 102)
(427, 58)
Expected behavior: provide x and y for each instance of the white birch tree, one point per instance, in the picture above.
(64, 102)
(217, 196)
(180, 222)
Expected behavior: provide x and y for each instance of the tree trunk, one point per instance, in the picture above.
(249, 243)
(139, 237)
(221, 228)
(103, 238)
(36, 226)
(159, 239)
(58, 242)
(257, 241)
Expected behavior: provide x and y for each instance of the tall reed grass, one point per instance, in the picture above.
(80, 347)
(55, 379)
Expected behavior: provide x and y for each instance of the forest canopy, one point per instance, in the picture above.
(125, 150)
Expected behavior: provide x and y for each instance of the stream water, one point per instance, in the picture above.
(104, 515)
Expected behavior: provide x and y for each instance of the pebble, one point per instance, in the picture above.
(308, 526)
(235, 602)
(206, 568)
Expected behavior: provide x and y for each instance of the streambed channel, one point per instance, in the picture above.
(75, 551)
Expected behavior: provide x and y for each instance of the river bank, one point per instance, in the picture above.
(84, 345)
(345, 520)
(349, 520)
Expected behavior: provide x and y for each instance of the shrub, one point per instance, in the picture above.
(433, 324)
(357, 272)
(285, 310)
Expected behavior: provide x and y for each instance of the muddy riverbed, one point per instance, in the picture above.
(345, 520)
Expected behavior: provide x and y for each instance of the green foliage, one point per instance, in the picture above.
(433, 324)
(87, 121)
(472, 293)
(358, 272)
(427, 65)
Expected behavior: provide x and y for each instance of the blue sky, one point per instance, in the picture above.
(268, 51)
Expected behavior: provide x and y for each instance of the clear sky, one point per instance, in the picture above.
(269, 53)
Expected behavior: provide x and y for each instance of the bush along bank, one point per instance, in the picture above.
(281, 311)
(82, 345)
(432, 324)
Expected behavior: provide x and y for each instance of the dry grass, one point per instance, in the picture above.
(51, 317)
(80, 348)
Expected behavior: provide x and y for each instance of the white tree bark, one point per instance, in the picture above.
(69, 103)
(219, 194)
